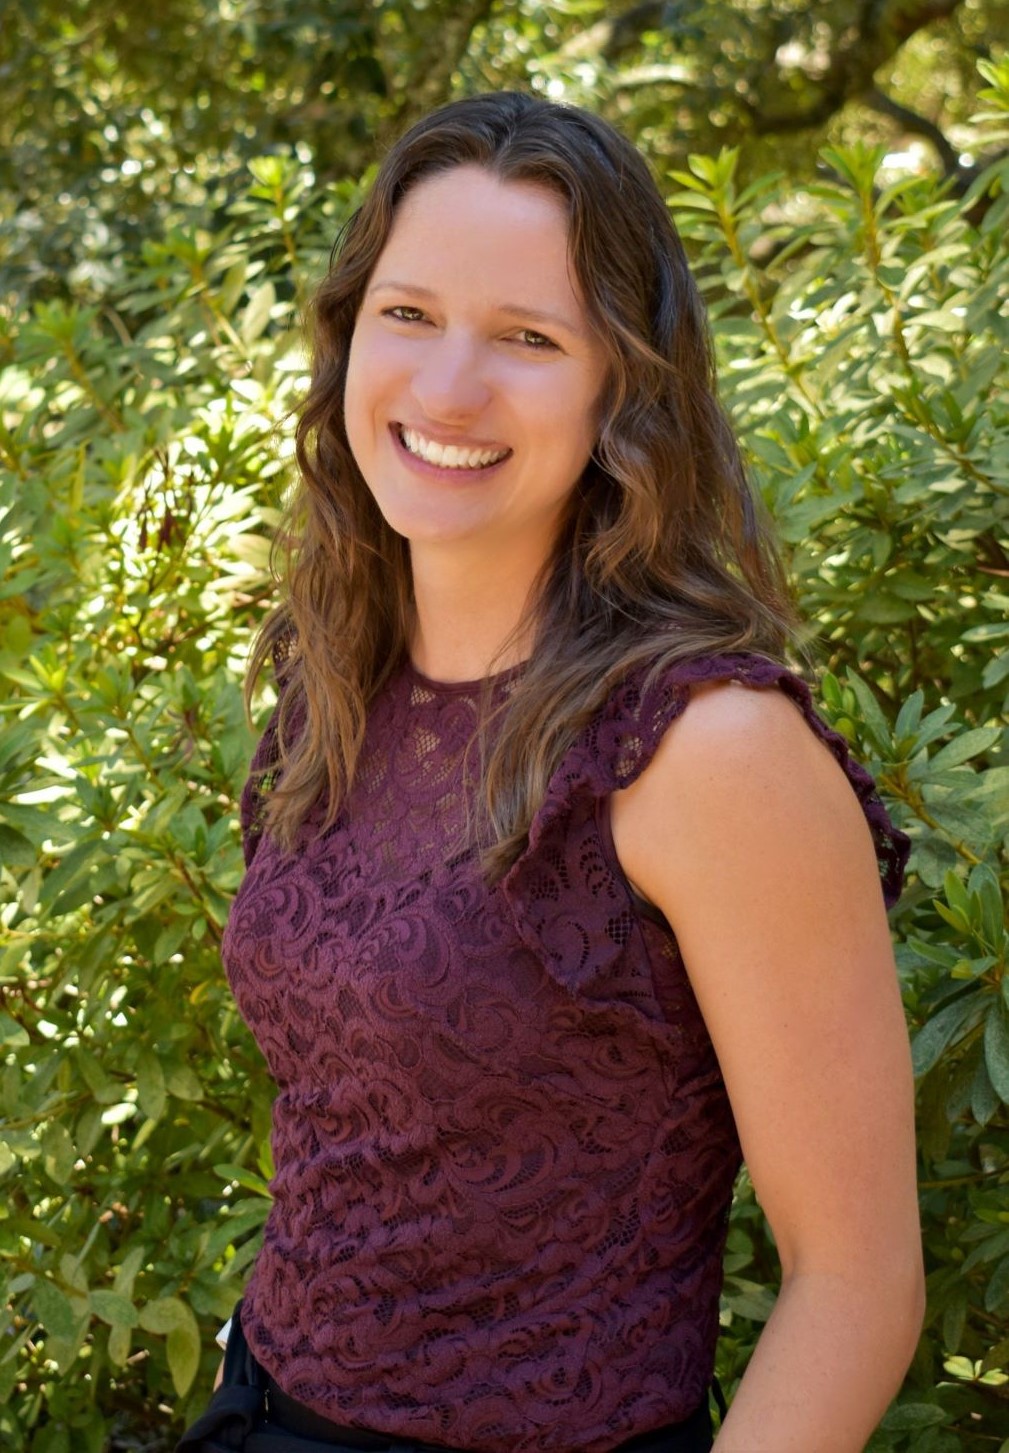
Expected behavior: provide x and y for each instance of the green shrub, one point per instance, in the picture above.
(863, 354)
(142, 468)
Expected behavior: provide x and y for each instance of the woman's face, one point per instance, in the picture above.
(474, 378)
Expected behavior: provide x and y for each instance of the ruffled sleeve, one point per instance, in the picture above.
(567, 902)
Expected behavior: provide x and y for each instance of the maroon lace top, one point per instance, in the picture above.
(504, 1151)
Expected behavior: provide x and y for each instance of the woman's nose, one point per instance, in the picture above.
(450, 381)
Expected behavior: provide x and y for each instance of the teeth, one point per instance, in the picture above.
(448, 456)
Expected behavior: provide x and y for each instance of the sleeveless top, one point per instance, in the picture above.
(504, 1151)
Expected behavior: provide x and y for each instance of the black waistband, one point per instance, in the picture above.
(693, 1435)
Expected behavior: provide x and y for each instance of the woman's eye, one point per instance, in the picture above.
(536, 341)
(404, 314)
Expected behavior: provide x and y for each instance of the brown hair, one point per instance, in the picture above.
(665, 552)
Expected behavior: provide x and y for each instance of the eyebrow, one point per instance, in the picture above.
(513, 310)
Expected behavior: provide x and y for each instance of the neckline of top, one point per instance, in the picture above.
(457, 688)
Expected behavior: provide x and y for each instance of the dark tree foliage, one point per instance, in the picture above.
(120, 117)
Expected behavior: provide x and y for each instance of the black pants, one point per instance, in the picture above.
(249, 1413)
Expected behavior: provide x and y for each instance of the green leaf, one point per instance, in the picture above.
(172, 1317)
(749, 1299)
(58, 1153)
(245, 1216)
(114, 1309)
(985, 884)
(872, 715)
(151, 1093)
(960, 821)
(933, 953)
(909, 715)
(183, 1350)
(9, 1372)
(954, 1319)
(75, 866)
(957, 896)
(993, 631)
(270, 171)
(934, 725)
(996, 1294)
(246, 1178)
(993, 1246)
(12, 1033)
(942, 1030)
(53, 1309)
(15, 849)
(231, 287)
(910, 1417)
(964, 746)
(996, 1049)
(165, 1315)
(120, 1342)
(943, 319)
(104, 1090)
(170, 939)
(183, 1083)
(996, 671)
(996, 1357)
(257, 312)
(157, 886)
(883, 608)
(984, 1101)
(830, 691)
(126, 1271)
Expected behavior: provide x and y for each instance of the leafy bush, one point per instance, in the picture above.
(864, 348)
(142, 469)
(863, 354)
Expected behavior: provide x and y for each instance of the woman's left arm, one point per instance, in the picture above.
(745, 832)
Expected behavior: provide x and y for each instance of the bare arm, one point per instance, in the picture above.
(745, 832)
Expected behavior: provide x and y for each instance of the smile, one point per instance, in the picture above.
(447, 456)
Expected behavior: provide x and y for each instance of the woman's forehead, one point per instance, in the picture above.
(467, 230)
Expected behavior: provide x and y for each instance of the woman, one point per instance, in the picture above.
(533, 951)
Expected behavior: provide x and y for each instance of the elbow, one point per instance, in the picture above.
(881, 1303)
(901, 1298)
(914, 1293)
(916, 1311)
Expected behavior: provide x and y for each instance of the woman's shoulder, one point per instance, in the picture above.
(722, 736)
(706, 747)
(652, 693)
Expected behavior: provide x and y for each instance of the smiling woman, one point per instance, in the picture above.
(534, 962)
(470, 427)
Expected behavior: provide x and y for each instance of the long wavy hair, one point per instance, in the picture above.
(665, 551)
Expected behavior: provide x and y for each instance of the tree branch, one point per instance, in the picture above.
(618, 35)
(912, 121)
(657, 75)
(625, 31)
(858, 46)
(854, 59)
(447, 30)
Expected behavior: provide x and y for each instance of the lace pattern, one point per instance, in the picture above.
(504, 1150)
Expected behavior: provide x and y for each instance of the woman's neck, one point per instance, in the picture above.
(469, 615)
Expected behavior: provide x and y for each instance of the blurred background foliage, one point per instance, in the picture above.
(171, 182)
(120, 118)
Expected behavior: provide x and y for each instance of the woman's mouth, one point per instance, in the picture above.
(461, 459)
